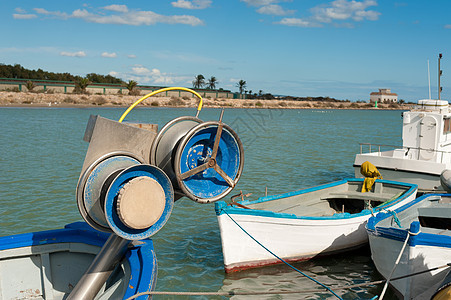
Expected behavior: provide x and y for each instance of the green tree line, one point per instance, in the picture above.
(18, 72)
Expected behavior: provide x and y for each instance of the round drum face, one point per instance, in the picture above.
(197, 151)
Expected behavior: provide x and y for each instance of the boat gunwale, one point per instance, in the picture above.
(400, 234)
(221, 207)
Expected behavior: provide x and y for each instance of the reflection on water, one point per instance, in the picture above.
(42, 154)
(334, 271)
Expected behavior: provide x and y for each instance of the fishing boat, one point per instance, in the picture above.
(426, 222)
(49, 264)
(425, 152)
(299, 225)
(426, 149)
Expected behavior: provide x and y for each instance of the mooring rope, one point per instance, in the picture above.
(282, 260)
(395, 217)
(396, 263)
(256, 293)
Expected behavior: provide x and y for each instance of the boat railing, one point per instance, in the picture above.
(378, 147)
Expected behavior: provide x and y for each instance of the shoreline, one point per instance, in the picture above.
(39, 100)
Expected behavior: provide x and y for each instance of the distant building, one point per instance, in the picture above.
(384, 96)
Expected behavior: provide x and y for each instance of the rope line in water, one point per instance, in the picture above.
(282, 260)
(249, 293)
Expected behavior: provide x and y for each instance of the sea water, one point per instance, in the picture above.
(42, 152)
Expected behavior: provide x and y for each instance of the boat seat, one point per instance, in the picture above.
(381, 197)
(311, 211)
(437, 211)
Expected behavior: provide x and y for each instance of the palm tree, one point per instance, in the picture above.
(212, 82)
(81, 84)
(241, 85)
(199, 81)
(131, 85)
(30, 85)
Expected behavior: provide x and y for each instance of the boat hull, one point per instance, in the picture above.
(48, 264)
(253, 238)
(424, 250)
(292, 240)
(424, 174)
(414, 259)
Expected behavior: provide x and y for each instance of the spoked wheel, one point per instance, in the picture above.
(208, 162)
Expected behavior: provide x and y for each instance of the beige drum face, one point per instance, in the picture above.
(141, 202)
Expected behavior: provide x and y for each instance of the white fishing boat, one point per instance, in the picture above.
(425, 152)
(299, 225)
(426, 221)
(49, 264)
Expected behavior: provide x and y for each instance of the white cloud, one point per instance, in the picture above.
(136, 18)
(109, 55)
(117, 8)
(113, 73)
(194, 4)
(20, 10)
(154, 76)
(131, 56)
(298, 22)
(275, 10)
(73, 54)
(24, 16)
(344, 10)
(121, 15)
(140, 70)
(338, 13)
(57, 14)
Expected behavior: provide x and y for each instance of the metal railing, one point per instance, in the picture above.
(406, 149)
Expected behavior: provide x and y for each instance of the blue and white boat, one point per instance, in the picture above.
(49, 264)
(299, 225)
(426, 222)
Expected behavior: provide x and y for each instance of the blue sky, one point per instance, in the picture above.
(343, 49)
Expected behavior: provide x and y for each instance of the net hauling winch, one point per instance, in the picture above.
(132, 174)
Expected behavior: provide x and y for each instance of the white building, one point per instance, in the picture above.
(384, 96)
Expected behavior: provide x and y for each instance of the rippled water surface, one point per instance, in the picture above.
(42, 153)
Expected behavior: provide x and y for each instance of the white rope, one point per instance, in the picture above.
(396, 264)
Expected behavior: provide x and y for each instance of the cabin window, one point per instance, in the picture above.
(447, 126)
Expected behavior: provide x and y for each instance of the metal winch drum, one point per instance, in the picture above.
(132, 176)
(204, 160)
(131, 171)
(121, 194)
(118, 190)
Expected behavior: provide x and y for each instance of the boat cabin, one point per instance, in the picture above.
(426, 132)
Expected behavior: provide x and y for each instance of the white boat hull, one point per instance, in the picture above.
(414, 259)
(288, 236)
(290, 239)
(424, 174)
(428, 247)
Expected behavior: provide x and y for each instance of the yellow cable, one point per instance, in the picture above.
(199, 107)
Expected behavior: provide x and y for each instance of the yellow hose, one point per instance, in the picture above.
(199, 107)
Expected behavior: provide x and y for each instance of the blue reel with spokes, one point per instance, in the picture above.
(208, 162)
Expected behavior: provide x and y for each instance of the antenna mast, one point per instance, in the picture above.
(439, 75)
(429, 81)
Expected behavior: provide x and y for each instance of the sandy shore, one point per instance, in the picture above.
(75, 100)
